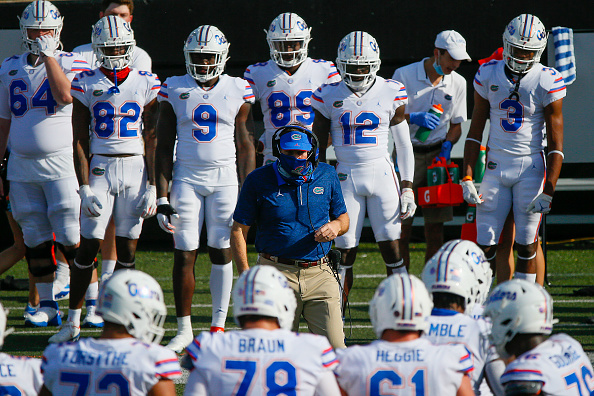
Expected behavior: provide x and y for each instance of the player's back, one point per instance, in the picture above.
(257, 361)
(414, 368)
(104, 365)
(559, 363)
(19, 375)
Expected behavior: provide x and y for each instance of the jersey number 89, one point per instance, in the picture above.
(281, 104)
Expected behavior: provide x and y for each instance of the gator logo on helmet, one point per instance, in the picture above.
(492, 165)
(12, 72)
(494, 88)
(271, 83)
(98, 92)
(98, 171)
(318, 190)
(337, 104)
(184, 95)
(342, 176)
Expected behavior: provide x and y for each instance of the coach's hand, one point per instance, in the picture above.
(424, 119)
(90, 205)
(540, 204)
(408, 207)
(164, 214)
(148, 204)
(470, 194)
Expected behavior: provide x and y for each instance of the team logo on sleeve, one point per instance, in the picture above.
(271, 83)
(342, 176)
(494, 88)
(318, 190)
(98, 92)
(184, 95)
(492, 165)
(98, 171)
(448, 97)
(337, 104)
(12, 72)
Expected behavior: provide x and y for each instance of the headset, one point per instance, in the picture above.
(312, 155)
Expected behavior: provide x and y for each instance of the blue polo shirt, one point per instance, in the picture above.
(286, 215)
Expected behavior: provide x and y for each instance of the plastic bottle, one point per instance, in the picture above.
(423, 133)
(479, 167)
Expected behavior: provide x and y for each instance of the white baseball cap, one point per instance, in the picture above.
(454, 43)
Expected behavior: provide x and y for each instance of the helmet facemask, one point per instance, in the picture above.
(350, 72)
(106, 56)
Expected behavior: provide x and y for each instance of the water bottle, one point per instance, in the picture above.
(479, 167)
(423, 133)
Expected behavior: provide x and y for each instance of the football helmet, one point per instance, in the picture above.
(40, 14)
(206, 39)
(358, 49)
(448, 272)
(518, 307)
(525, 32)
(264, 290)
(134, 299)
(288, 27)
(109, 32)
(475, 258)
(401, 302)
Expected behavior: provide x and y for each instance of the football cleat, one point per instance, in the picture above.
(48, 314)
(30, 310)
(68, 332)
(180, 342)
(92, 321)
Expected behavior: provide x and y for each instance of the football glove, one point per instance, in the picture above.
(424, 119)
(446, 149)
(408, 207)
(540, 204)
(148, 204)
(90, 205)
(470, 194)
(164, 214)
(47, 45)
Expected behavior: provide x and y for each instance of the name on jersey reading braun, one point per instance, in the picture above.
(252, 345)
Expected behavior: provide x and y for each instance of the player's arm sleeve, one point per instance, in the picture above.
(333, 74)
(493, 371)
(167, 366)
(404, 150)
(78, 89)
(480, 83)
(556, 88)
(196, 385)
(154, 88)
(327, 385)
(248, 92)
(248, 76)
(48, 362)
(318, 103)
(347, 370)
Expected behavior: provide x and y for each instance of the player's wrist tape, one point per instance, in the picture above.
(163, 201)
(406, 189)
(467, 178)
(473, 140)
(557, 152)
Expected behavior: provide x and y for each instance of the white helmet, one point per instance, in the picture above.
(40, 14)
(206, 39)
(475, 258)
(134, 299)
(525, 32)
(288, 27)
(113, 31)
(448, 272)
(401, 302)
(358, 49)
(264, 290)
(3, 331)
(518, 307)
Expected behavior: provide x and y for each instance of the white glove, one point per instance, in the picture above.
(148, 203)
(470, 194)
(164, 213)
(408, 207)
(90, 204)
(540, 204)
(47, 45)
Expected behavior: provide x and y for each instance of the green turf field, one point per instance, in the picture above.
(570, 269)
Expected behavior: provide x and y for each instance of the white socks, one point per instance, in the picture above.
(91, 298)
(74, 316)
(221, 282)
(107, 266)
(528, 277)
(184, 325)
(63, 273)
(46, 291)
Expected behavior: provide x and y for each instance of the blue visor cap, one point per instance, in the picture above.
(295, 141)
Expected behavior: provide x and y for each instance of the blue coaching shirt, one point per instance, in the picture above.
(286, 215)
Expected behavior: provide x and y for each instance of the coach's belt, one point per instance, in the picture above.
(426, 148)
(298, 263)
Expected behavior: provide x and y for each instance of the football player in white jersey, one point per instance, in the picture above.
(359, 113)
(118, 104)
(521, 313)
(450, 278)
(124, 9)
(265, 357)
(523, 99)
(402, 358)
(284, 84)
(208, 113)
(35, 107)
(19, 375)
(127, 358)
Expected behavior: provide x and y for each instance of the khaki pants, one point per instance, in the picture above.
(318, 299)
